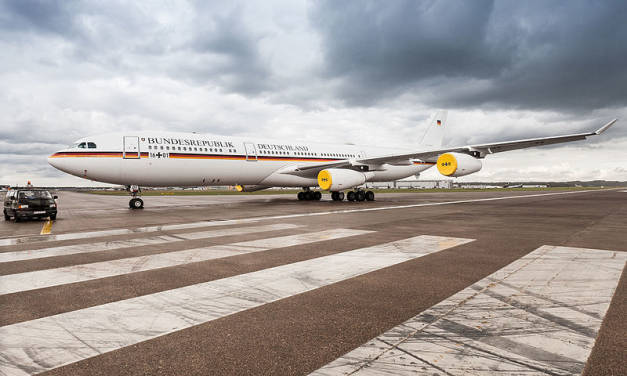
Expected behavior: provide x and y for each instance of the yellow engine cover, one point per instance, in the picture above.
(324, 180)
(447, 164)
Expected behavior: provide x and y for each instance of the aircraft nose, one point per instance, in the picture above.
(52, 161)
(58, 161)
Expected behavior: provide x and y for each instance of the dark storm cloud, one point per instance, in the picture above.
(241, 68)
(558, 55)
(37, 15)
(213, 45)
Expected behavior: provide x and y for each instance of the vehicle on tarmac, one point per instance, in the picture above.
(23, 203)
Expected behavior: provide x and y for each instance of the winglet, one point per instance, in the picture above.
(604, 128)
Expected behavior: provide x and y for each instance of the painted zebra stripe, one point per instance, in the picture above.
(153, 240)
(35, 346)
(538, 315)
(117, 232)
(79, 273)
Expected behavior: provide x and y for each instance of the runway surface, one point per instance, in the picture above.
(455, 283)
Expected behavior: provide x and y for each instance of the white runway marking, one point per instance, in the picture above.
(81, 235)
(538, 315)
(35, 346)
(79, 273)
(114, 232)
(118, 244)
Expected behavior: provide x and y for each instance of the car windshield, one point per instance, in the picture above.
(26, 195)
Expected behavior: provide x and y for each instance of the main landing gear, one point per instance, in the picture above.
(135, 202)
(308, 195)
(360, 195)
(337, 196)
(356, 195)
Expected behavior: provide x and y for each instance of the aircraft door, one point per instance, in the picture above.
(131, 147)
(251, 151)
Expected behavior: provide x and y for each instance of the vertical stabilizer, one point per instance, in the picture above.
(434, 135)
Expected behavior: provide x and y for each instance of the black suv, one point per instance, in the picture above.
(28, 203)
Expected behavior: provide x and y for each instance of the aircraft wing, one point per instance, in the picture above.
(311, 170)
(490, 148)
(432, 155)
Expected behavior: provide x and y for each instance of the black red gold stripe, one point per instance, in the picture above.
(118, 154)
(95, 154)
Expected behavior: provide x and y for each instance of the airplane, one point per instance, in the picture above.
(161, 159)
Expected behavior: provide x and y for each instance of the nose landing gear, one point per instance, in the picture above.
(135, 202)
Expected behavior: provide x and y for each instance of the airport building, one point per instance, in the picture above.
(411, 184)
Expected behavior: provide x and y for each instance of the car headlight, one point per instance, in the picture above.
(53, 205)
(22, 206)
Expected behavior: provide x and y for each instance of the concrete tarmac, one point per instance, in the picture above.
(430, 283)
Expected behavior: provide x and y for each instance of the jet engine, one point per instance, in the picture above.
(337, 179)
(250, 188)
(457, 164)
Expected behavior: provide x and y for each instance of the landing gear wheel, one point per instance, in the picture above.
(136, 203)
(334, 196)
(317, 195)
(350, 196)
(301, 196)
(370, 196)
(340, 196)
(6, 216)
(309, 195)
(360, 195)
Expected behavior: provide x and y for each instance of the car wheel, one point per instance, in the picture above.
(53, 216)
(6, 216)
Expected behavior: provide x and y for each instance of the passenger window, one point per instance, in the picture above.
(81, 145)
(91, 145)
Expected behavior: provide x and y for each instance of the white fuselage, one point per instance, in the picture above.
(183, 159)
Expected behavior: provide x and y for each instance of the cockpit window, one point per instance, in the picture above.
(82, 145)
(91, 145)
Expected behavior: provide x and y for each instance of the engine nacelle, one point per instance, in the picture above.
(337, 179)
(457, 164)
(250, 188)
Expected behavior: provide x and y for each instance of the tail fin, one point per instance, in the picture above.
(434, 135)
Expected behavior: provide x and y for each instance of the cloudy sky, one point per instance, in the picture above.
(369, 72)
